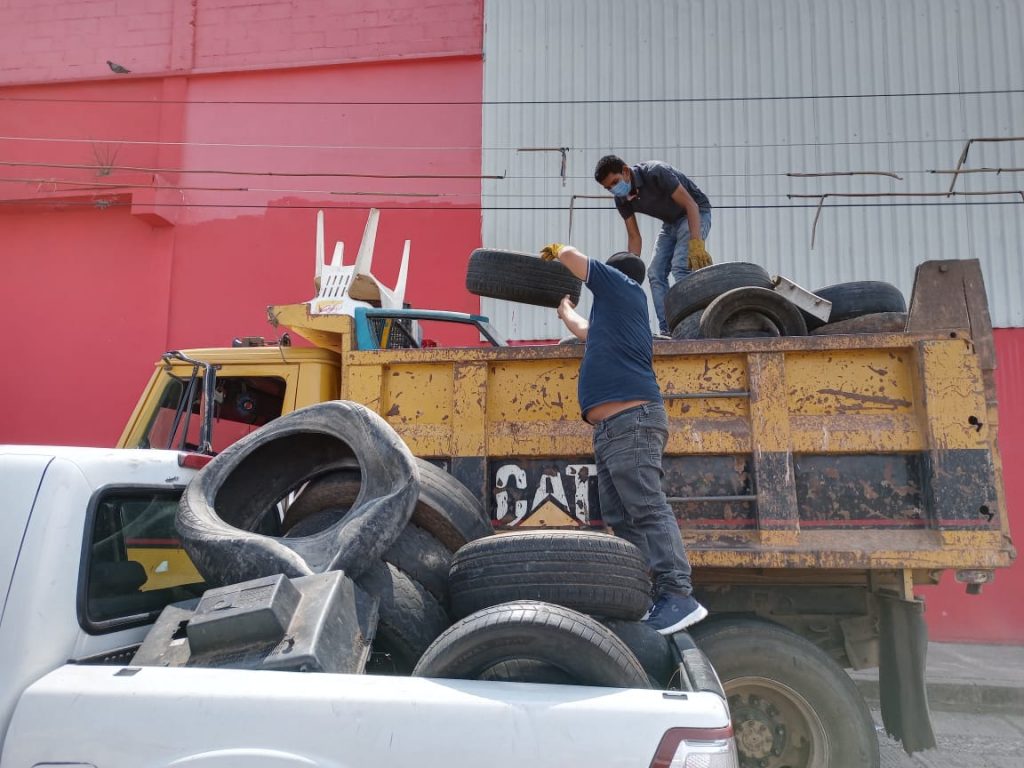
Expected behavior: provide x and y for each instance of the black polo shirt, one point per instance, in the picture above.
(653, 183)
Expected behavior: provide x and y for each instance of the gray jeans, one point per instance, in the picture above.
(627, 450)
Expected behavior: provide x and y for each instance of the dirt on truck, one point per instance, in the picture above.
(818, 480)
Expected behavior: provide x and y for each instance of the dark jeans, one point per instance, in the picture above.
(627, 450)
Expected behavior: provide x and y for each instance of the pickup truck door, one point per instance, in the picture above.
(20, 476)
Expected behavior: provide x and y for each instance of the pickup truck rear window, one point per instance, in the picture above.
(135, 564)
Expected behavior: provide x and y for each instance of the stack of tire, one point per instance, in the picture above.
(737, 300)
(333, 487)
(728, 300)
(551, 607)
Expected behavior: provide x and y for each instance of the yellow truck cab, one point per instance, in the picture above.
(817, 480)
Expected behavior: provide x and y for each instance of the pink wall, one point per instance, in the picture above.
(109, 265)
(47, 40)
(997, 614)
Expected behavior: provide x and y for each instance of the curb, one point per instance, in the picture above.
(957, 696)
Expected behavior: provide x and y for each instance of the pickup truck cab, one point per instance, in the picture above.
(88, 559)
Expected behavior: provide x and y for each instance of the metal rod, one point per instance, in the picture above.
(996, 171)
(701, 395)
(890, 174)
(967, 147)
(563, 151)
(683, 499)
(572, 207)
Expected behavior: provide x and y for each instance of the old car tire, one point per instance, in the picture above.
(731, 304)
(243, 484)
(689, 326)
(784, 687)
(410, 618)
(521, 277)
(594, 573)
(866, 297)
(445, 508)
(527, 671)
(578, 645)
(652, 650)
(699, 288)
(876, 322)
(415, 552)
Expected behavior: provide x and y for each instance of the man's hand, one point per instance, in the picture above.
(565, 306)
(698, 255)
(550, 252)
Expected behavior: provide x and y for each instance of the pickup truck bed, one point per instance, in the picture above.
(135, 717)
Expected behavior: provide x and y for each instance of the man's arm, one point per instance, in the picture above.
(577, 326)
(685, 200)
(633, 240)
(574, 261)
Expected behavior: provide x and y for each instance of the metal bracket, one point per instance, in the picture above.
(809, 302)
(563, 151)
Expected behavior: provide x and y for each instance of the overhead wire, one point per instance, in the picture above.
(524, 102)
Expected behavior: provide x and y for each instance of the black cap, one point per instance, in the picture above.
(629, 264)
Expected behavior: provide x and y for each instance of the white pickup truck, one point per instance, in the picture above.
(89, 557)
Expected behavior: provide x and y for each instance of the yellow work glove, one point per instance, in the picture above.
(698, 255)
(550, 252)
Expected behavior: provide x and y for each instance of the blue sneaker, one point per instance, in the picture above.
(672, 613)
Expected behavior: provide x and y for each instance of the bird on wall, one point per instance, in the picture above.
(117, 68)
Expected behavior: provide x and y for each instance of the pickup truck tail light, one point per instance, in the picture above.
(696, 748)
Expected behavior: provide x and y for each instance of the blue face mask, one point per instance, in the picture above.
(621, 188)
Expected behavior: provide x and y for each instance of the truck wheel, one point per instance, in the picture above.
(770, 306)
(585, 650)
(594, 573)
(445, 508)
(865, 297)
(521, 277)
(702, 286)
(876, 322)
(410, 619)
(230, 497)
(791, 704)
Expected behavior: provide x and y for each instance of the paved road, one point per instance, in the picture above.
(964, 741)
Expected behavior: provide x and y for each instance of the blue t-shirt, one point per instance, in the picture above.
(617, 361)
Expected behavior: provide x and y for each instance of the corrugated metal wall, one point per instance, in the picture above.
(738, 93)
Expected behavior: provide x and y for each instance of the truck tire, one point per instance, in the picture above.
(242, 486)
(445, 508)
(866, 297)
(410, 619)
(772, 307)
(689, 326)
(593, 573)
(702, 286)
(521, 277)
(876, 322)
(652, 650)
(791, 704)
(578, 645)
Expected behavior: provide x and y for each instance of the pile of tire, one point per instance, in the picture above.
(551, 607)
(737, 300)
(333, 487)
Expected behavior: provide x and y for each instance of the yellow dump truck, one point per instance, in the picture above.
(817, 480)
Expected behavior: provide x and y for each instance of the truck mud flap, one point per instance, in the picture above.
(904, 699)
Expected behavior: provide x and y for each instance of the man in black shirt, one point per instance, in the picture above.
(659, 190)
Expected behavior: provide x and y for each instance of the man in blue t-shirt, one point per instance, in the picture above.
(620, 397)
(659, 190)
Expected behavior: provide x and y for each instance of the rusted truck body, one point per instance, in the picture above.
(817, 480)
